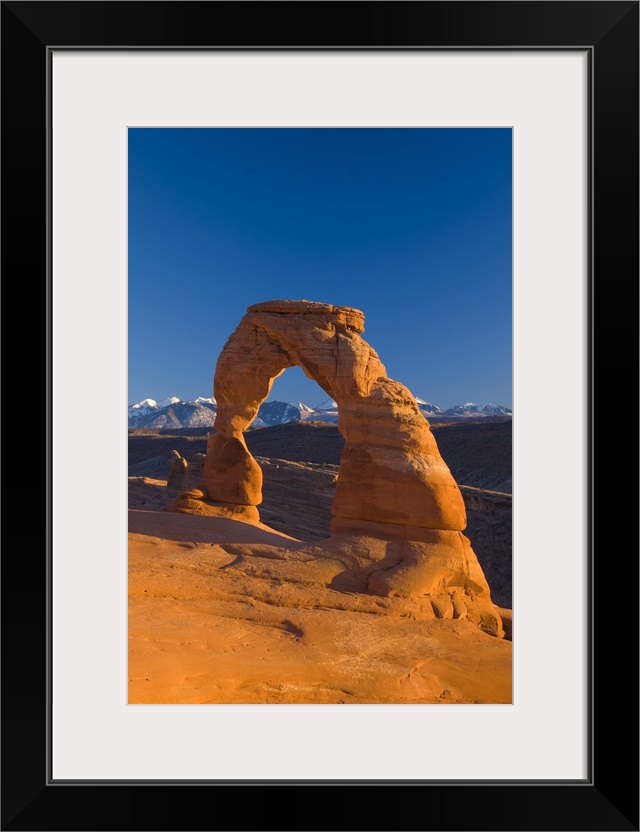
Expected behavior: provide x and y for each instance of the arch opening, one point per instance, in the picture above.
(297, 447)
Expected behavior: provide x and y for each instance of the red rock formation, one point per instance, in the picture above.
(392, 485)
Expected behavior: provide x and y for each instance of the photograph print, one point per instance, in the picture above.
(320, 415)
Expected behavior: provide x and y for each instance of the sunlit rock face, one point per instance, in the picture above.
(393, 485)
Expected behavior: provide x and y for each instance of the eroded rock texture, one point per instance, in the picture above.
(392, 484)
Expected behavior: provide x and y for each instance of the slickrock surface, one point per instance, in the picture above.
(223, 611)
(297, 497)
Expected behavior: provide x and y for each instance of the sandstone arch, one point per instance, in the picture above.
(392, 485)
(390, 470)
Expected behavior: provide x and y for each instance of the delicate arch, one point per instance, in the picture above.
(391, 471)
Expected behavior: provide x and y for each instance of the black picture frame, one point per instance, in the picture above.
(608, 798)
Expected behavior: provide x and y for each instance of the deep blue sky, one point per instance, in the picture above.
(412, 226)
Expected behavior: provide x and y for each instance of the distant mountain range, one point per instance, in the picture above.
(201, 412)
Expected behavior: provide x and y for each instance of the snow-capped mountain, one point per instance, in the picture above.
(467, 409)
(473, 410)
(172, 412)
(497, 410)
(279, 413)
(428, 408)
(139, 413)
(145, 406)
